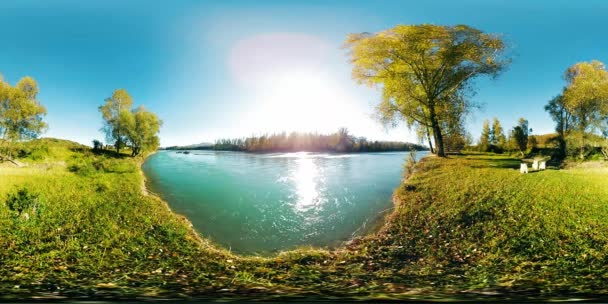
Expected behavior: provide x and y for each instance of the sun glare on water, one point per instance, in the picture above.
(305, 178)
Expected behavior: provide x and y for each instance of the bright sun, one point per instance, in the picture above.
(302, 101)
(287, 78)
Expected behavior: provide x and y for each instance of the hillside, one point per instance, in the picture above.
(467, 226)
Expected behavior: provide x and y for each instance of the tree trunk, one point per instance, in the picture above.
(436, 133)
(428, 137)
(562, 146)
(582, 151)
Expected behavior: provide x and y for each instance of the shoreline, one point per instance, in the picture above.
(146, 192)
(380, 220)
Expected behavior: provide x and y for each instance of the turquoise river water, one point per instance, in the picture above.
(263, 203)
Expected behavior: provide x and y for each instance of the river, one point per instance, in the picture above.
(263, 203)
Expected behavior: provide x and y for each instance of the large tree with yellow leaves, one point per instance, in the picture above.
(586, 98)
(425, 71)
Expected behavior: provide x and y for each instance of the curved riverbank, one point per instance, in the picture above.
(469, 227)
(204, 242)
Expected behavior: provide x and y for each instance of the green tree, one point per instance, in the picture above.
(97, 145)
(484, 140)
(586, 97)
(420, 68)
(21, 114)
(519, 135)
(116, 115)
(532, 142)
(563, 121)
(344, 141)
(143, 128)
(138, 128)
(453, 125)
(497, 135)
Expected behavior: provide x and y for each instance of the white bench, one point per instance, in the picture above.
(535, 165)
(523, 168)
(543, 165)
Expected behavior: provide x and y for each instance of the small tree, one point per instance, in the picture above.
(519, 135)
(344, 141)
(563, 121)
(21, 114)
(410, 164)
(123, 126)
(484, 140)
(532, 142)
(586, 97)
(497, 135)
(21, 201)
(115, 113)
(97, 145)
(143, 129)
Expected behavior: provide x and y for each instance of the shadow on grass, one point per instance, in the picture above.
(492, 161)
(104, 152)
(556, 163)
(506, 162)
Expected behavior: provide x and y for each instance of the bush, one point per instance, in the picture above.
(39, 154)
(89, 165)
(33, 150)
(409, 165)
(97, 145)
(21, 201)
(113, 166)
(102, 186)
(594, 153)
(82, 167)
(495, 149)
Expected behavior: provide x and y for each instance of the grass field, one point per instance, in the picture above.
(469, 226)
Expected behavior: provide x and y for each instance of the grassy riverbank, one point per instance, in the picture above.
(468, 223)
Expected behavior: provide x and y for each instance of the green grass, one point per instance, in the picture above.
(466, 227)
(543, 232)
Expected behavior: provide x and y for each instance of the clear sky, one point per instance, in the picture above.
(214, 69)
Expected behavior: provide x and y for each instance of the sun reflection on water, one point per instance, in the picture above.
(305, 178)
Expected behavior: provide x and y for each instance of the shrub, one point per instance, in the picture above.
(410, 164)
(32, 150)
(21, 201)
(39, 154)
(97, 145)
(82, 167)
(88, 165)
(113, 166)
(102, 186)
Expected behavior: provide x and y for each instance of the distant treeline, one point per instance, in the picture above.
(340, 141)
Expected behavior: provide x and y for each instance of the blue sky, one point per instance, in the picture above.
(215, 69)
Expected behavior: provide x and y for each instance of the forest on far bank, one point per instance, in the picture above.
(341, 141)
